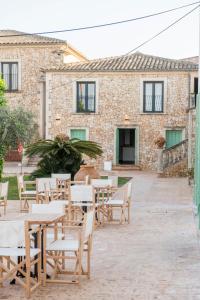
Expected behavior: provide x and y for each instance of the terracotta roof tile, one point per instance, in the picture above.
(134, 62)
(11, 37)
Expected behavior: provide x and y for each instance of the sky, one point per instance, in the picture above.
(180, 41)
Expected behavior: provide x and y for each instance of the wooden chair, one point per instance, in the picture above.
(24, 193)
(122, 204)
(3, 195)
(63, 182)
(81, 198)
(71, 249)
(43, 188)
(50, 208)
(17, 255)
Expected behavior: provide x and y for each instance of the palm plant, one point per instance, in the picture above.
(61, 155)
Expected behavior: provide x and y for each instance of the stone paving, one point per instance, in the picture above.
(155, 257)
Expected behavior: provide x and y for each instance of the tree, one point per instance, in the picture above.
(16, 126)
(61, 155)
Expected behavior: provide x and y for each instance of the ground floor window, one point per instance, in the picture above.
(78, 134)
(173, 137)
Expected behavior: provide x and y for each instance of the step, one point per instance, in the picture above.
(126, 167)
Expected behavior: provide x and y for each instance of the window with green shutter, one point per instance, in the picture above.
(78, 134)
(173, 137)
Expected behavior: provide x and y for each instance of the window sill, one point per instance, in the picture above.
(153, 113)
(13, 92)
(85, 113)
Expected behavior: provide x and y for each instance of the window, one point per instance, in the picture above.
(9, 71)
(78, 134)
(153, 96)
(173, 137)
(86, 94)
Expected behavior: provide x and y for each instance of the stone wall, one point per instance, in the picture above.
(118, 95)
(30, 61)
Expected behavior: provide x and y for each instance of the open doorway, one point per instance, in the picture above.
(126, 145)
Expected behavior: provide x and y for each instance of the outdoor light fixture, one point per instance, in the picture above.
(58, 118)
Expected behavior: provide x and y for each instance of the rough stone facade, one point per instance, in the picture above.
(119, 105)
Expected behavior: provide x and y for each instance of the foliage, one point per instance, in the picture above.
(2, 92)
(160, 141)
(16, 126)
(61, 155)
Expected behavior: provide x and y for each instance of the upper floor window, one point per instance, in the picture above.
(153, 96)
(9, 71)
(86, 96)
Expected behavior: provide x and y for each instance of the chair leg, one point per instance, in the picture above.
(88, 262)
(1, 273)
(28, 282)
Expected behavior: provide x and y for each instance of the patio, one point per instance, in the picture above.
(155, 257)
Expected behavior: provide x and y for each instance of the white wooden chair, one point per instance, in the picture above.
(50, 208)
(63, 182)
(71, 249)
(45, 186)
(15, 243)
(24, 193)
(81, 198)
(3, 195)
(122, 204)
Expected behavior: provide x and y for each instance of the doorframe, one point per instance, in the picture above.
(136, 127)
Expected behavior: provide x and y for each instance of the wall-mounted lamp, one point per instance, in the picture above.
(58, 118)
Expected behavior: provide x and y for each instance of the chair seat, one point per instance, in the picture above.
(114, 202)
(50, 236)
(64, 245)
(82, 204)
(28, 193)
(18, 252)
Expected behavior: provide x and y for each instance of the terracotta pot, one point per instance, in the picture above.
(86, 170)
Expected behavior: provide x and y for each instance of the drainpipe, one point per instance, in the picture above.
(189, 125)
(197, 144)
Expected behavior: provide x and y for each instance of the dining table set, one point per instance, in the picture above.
(50, 239)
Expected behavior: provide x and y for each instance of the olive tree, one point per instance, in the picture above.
(16, 126)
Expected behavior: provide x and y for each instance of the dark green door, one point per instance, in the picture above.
(173, 137)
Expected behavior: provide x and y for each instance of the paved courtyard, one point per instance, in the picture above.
(157, 256)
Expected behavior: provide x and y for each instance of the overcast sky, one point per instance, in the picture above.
(46, 15)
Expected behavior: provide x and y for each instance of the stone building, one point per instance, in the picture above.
(125, 103)
(21, 58)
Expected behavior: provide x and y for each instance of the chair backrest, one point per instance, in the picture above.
(61, 176)
(12, 234)
(45, 184)
(129, 190)
(54, 208)
(88, 224)
(114, 179)
(81, 193)
(101, 182)
(4, 190)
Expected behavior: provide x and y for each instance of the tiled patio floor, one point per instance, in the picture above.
(155, 257)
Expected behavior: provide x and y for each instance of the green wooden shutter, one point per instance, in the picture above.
(78, 134)
(173, 137)
(117, 145)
